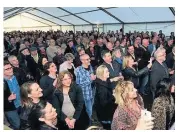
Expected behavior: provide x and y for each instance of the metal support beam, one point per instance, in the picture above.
(172, 10)
(16, 13)
(43, 18)
(149, 22)
(74, 15)
(54, 16)
(12, 9)
(110, 14)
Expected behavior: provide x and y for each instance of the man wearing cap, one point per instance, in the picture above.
(71, 48)
(33, 63)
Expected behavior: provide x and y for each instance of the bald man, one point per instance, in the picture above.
(84, 78)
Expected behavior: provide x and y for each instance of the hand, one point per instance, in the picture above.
(145, 124)
(67, 120)
(72, 123)
(12, 97)
(171, 72)
(92, 76)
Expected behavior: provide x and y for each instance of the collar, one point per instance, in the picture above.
(9, 79)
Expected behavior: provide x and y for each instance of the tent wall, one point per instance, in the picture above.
(113, 27)
(167, 28)
(84, 28)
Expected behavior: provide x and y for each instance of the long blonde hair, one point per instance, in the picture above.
(121, 93)
(100, 71)
(126, 61)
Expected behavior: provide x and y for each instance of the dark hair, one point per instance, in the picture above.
(163, 87)
(36, 113)
(6, 62)
(104, 52)
(46, 67)
(24, 91)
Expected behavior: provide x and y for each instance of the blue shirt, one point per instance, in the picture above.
(119, 60)
(14, 88)
(84, 81)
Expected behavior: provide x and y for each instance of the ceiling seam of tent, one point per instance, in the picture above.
(20, 9)
(43, 18)
(172, 10)
(108, 13)
(137, 14)
(12, 9)
(74, 15)
(15, 14)
(54, 16)
(36, 20)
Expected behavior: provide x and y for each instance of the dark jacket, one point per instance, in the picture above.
(8, 106)
(170, 60)
(76, 97)
(104, 100)
(99, 51)
(133, 75)
(20, 75)
(145, 57)
(113, 72)
(95, 55)
(46, 83)
(158, 72)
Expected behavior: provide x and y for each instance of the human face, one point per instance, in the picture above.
(36, 91)
(67, 80)
(50, 113)
(27, 43)
(124, 42)
(172, 89)
(132, 94)
(14, 61)
(8, 71)
(82, 52)
(44, 61)
(146, 43)
(118, 54)
(106, 73)
(131, 61)
(91, 45)
(110, 46)
(71, 44)
(138, 40)
(108, 58)
(52, 68)
(86, 60)
(131, 50)
(78, 41)
(12, 41)
(170, 42)
(117, 43)
(34, 53)
(162, 56)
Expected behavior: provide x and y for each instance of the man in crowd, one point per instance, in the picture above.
(84, 78)
(12, 101)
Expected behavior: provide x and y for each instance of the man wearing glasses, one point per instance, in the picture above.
(12, 102)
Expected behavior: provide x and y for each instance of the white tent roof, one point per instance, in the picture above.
(93, 15)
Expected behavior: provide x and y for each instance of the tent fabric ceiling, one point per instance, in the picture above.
(93, 15)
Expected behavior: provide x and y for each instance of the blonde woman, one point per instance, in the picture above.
(132, 74)
(128, 113)
(104, 99)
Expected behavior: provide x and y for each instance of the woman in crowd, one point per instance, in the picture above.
(68, 101)
(128, 113)
(43, 117)
(104, 100)
(48, 81)
(30, 96)
(132, 74)
(116, 44)
(43, 60)
(68, 64)
(116, 55)
(51, 50)
(163, 106)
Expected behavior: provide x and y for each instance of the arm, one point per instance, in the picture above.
(133, 73)
(159, 113)
(57, 105)
(80, 102)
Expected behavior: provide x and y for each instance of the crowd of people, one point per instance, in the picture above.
(56, 80)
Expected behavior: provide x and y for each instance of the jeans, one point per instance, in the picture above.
(13, 118)
(89, 106)
(143, 84)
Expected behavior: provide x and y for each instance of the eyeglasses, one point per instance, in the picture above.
(8, 68)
